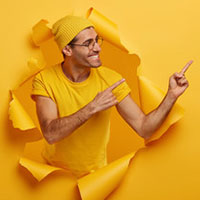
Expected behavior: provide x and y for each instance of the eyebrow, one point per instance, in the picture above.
(90, 39)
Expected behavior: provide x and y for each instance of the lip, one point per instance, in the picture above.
(95, 56)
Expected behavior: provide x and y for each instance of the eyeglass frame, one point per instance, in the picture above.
(87, 45)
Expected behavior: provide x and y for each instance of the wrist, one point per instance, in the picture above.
(171, 96)
(90, 109)
(85, 113)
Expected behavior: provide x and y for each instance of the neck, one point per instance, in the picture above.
(75, 73)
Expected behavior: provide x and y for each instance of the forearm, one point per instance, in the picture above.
(153, 120)
(60, 128)
(55, 129)
(146, 125)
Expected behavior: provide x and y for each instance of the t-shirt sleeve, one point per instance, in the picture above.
(111, 77)
(121, 91)
(38, 87)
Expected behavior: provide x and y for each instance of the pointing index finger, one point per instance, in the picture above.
(186, 67)
(112, 87)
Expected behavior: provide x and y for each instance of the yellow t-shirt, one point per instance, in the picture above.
(84, 150)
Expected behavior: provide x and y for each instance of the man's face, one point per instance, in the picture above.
(82, 56)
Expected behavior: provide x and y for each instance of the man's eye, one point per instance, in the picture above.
(87, 43)
(97, 38)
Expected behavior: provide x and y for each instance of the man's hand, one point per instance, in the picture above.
(55, 128)
(178, 83)
(105, 99)
(146, 124)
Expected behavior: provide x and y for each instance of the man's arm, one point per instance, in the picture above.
(55, 129)
(146, 125)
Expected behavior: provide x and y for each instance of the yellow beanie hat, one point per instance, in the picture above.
(67, 28)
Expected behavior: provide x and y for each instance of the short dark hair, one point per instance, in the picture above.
(71, 42)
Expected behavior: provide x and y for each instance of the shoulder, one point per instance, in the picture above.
(45, 82)
(48, 73)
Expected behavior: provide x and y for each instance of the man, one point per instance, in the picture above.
(73, 100)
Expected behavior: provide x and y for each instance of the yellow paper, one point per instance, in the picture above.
(43, 37)
(150, 98)
(108, 30)
(41, 32)
(22, 108)
(38, 170)
(19, 116)
(33, 161)
(102, 182)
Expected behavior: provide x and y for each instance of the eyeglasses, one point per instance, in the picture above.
(90, 43)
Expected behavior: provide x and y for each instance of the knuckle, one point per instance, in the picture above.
(116, 102)
(109, 95)
(100, 93)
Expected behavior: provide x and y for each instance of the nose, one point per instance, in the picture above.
(96, 47)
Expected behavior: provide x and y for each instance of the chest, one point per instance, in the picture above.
(70, 99)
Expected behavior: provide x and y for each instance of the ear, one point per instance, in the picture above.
(67, 50)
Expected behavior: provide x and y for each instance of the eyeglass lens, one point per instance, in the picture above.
(99, 41)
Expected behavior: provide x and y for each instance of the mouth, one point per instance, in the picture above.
(94, 56)
(94, 60)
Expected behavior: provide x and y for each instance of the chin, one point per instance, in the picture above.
(96, 65)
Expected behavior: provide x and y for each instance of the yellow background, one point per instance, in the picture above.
(165, 36)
